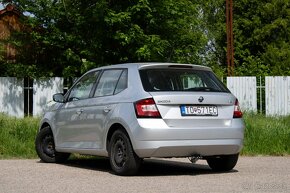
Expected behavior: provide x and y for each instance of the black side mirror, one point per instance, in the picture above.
(59, 98)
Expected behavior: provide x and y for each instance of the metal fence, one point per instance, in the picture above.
(26, 97)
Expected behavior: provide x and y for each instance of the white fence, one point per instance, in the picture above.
(43, 91)
(273, 97)
(277, 95)
(14, 100)
(245, 89)
(12, 96)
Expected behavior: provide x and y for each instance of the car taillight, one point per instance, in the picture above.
(146, 108)
(237, 110)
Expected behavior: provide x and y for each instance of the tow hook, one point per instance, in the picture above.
(193, 159)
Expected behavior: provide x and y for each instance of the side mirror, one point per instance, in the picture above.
(59, 98)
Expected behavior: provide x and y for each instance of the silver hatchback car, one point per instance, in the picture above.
(128, 112)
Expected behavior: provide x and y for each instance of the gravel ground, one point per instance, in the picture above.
(252, 174)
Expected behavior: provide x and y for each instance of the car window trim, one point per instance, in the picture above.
(96, 84)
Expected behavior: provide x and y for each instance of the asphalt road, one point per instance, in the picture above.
(252, 174)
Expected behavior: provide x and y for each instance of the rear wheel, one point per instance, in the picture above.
(223, 163)
(45, 148)
(123, 159)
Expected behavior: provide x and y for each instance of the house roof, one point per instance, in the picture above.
(10, 8)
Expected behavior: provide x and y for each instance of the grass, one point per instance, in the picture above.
(17, 137)
(263, 136)
(266, 135)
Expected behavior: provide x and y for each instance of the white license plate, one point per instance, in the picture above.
(199, 110)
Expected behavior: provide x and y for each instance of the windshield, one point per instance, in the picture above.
(155, 80)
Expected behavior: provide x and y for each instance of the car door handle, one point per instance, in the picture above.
(107, 109)
(80, 111)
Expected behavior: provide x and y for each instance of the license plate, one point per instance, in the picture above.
(199, 110)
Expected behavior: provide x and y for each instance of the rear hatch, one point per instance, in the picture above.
(185, 110)
(189, 97)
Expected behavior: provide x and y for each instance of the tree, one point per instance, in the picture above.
(262, 37)
(213, 15)
(68, 37)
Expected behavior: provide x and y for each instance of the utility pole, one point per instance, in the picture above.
(230, 37)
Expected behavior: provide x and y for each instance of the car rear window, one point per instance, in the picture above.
(155, 80)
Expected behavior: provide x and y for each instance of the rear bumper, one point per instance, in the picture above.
(186, 148)
(164, 141)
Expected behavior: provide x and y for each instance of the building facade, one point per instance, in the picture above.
(9, 23)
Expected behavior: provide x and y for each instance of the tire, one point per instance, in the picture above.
(45, 148)
(223, 163)
(123, 159)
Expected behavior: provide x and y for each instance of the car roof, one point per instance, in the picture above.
(150, 65)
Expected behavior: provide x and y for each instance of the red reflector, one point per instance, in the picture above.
(237, 110)
(146, 108)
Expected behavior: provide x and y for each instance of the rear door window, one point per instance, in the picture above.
(111, 82)
(122, 83)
